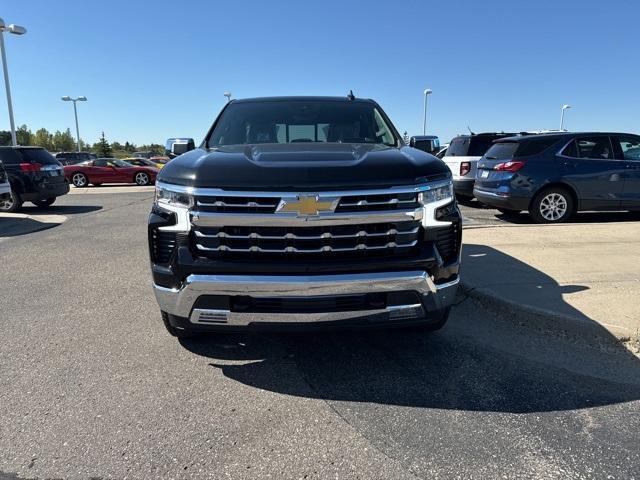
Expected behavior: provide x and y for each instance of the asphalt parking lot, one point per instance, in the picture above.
(92, 386)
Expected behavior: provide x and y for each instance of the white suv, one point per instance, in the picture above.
(462, 157)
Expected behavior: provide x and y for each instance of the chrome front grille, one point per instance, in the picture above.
(240, 204)
(364, 203)
(324, 240)
(245, 203)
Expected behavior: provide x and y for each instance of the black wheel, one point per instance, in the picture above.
(142, 179)
(47, 202)
(552, 205)
(11, 202)
(173, 331)
(79, 180)
(432, 326)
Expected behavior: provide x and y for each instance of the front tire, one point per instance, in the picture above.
(142, 179)
(11, 203)
(79, 180)
(47, 202)
(552, 205)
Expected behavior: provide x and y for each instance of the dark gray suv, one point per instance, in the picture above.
(34, 176)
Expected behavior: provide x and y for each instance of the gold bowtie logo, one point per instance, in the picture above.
(307, 205)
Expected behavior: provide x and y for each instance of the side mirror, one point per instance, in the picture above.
(412, 142)
(178, 146)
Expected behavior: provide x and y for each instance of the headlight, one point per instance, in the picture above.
(436, 193)
(165, 195)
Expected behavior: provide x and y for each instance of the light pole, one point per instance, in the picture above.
(16, 30)
(427, 92)
(227, 94)
(564, 107)
(75, 111)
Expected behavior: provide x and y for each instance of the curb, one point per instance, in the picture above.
(546, 320)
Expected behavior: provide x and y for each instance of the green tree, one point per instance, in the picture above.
(129, 147)
(63, 141)
(24, 135)
(5, 138)
(102, 148)
(152, 147)
(42, 138)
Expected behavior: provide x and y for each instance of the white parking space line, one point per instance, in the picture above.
(111, 189)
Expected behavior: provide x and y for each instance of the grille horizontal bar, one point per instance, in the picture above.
(266, 205)
(289, 249)
(293, 236)
(368, 203)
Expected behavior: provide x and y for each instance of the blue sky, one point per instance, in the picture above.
(153, 70)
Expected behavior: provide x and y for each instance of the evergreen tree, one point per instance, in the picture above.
(102, 148)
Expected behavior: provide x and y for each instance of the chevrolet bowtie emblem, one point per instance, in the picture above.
(307, 205)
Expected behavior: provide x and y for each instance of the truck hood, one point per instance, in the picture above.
(303, 167)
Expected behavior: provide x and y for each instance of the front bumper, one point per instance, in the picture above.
(184, 302)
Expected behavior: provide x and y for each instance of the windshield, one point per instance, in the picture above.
(300, 121)
(120, 163)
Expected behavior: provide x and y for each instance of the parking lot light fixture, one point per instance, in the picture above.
(564, 107)
(427, 92)
(228, 95)
(81, 98)
(16, 30)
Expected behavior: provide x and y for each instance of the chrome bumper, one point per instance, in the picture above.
(180, 302)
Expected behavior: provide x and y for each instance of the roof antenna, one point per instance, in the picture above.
(470, 130)
(351, 96)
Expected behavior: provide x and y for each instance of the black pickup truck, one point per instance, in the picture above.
(297, 212)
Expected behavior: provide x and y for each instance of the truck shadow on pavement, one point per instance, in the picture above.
(405, 369)
(483, 360)
(454, 369)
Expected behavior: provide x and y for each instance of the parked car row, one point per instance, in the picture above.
(32, 174)
(551, 175)
(109, 170)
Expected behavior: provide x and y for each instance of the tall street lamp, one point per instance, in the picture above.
(75, 111)
(564, 107)
(228, 95)
(427, 92)
(16, 30)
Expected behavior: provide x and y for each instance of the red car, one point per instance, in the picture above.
(108, 170)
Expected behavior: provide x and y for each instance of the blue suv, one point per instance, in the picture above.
(555, 175)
